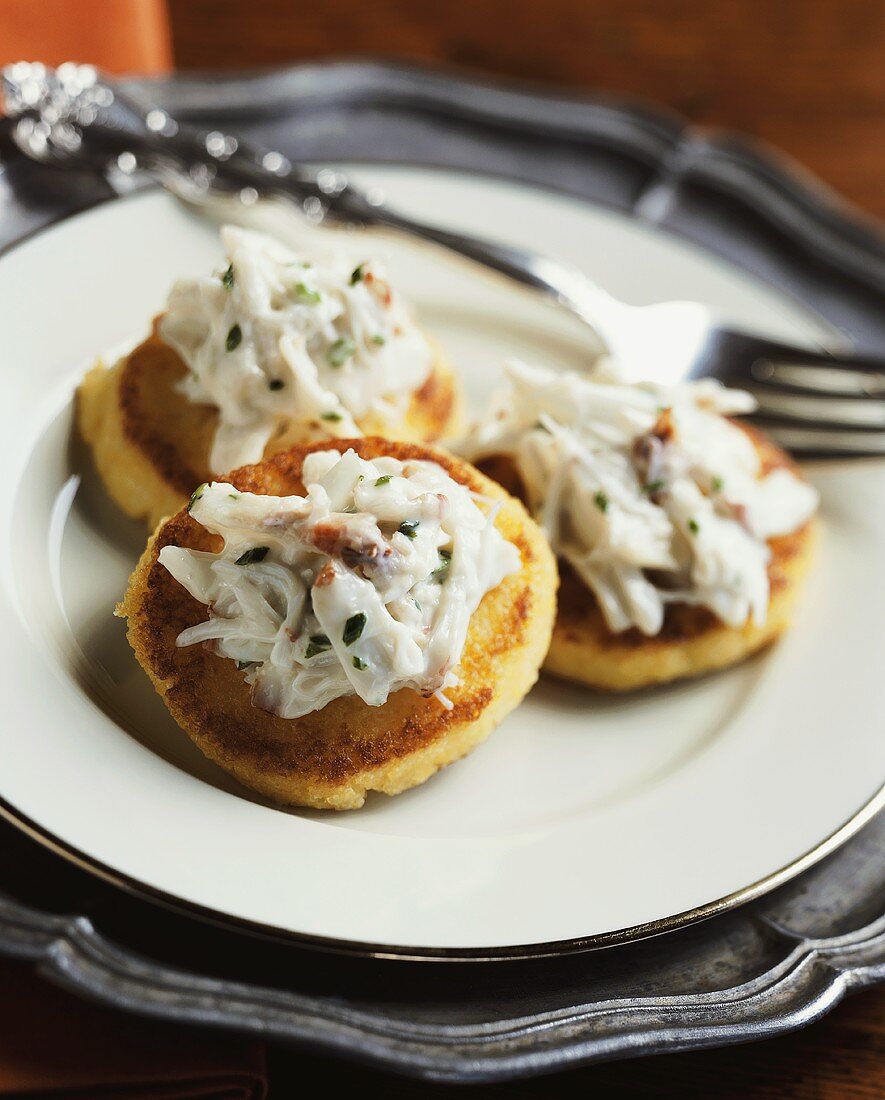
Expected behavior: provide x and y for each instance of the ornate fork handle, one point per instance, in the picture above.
(70, 115)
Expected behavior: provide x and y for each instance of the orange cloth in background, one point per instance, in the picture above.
(121, 36)
(53, 1044)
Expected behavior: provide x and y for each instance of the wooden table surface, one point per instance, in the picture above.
(807, 76)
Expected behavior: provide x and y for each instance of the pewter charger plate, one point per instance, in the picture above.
(665, 808)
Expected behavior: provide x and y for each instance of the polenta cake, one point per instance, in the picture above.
(682, 536)
(347, 616)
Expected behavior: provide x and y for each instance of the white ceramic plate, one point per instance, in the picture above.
(582, 818)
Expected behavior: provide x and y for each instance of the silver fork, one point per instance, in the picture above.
(813, 403)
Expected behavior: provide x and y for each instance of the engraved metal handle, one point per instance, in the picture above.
(71, 115)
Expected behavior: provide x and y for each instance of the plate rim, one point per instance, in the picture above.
(366, 949)
(794, 979)
(725, 163)
(379, 950)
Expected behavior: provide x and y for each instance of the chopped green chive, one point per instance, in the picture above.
(356, 275)
(307, 294)
(694, 526)
(718, 484)
(234, 338)
(359, 664)
(317, 643)
(378, 339)
(331, 416)
(383, 480)
(341, 351)
(653, 487)
(256, 553)
(227, 279)
(353, 628)
(242, 665)
(275, 384)
(234, 496)
(196, 494)
(600, 500)
(409, 528)
(439, 574)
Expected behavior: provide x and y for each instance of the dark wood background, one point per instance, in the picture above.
(807, 76)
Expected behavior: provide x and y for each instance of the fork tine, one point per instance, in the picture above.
(741, 358)
(804, 377)
(823, 442)
(849, 412)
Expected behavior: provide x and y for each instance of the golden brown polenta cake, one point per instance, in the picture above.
(151, 444)
(330, 758)
(693, 640)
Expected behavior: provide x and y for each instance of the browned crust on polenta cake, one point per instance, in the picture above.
(173, 433)
(692, 640)
(435, 404)
(329, 758)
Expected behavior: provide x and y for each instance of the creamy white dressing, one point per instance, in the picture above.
(364, 586)
(647, 491)
(279, 335)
